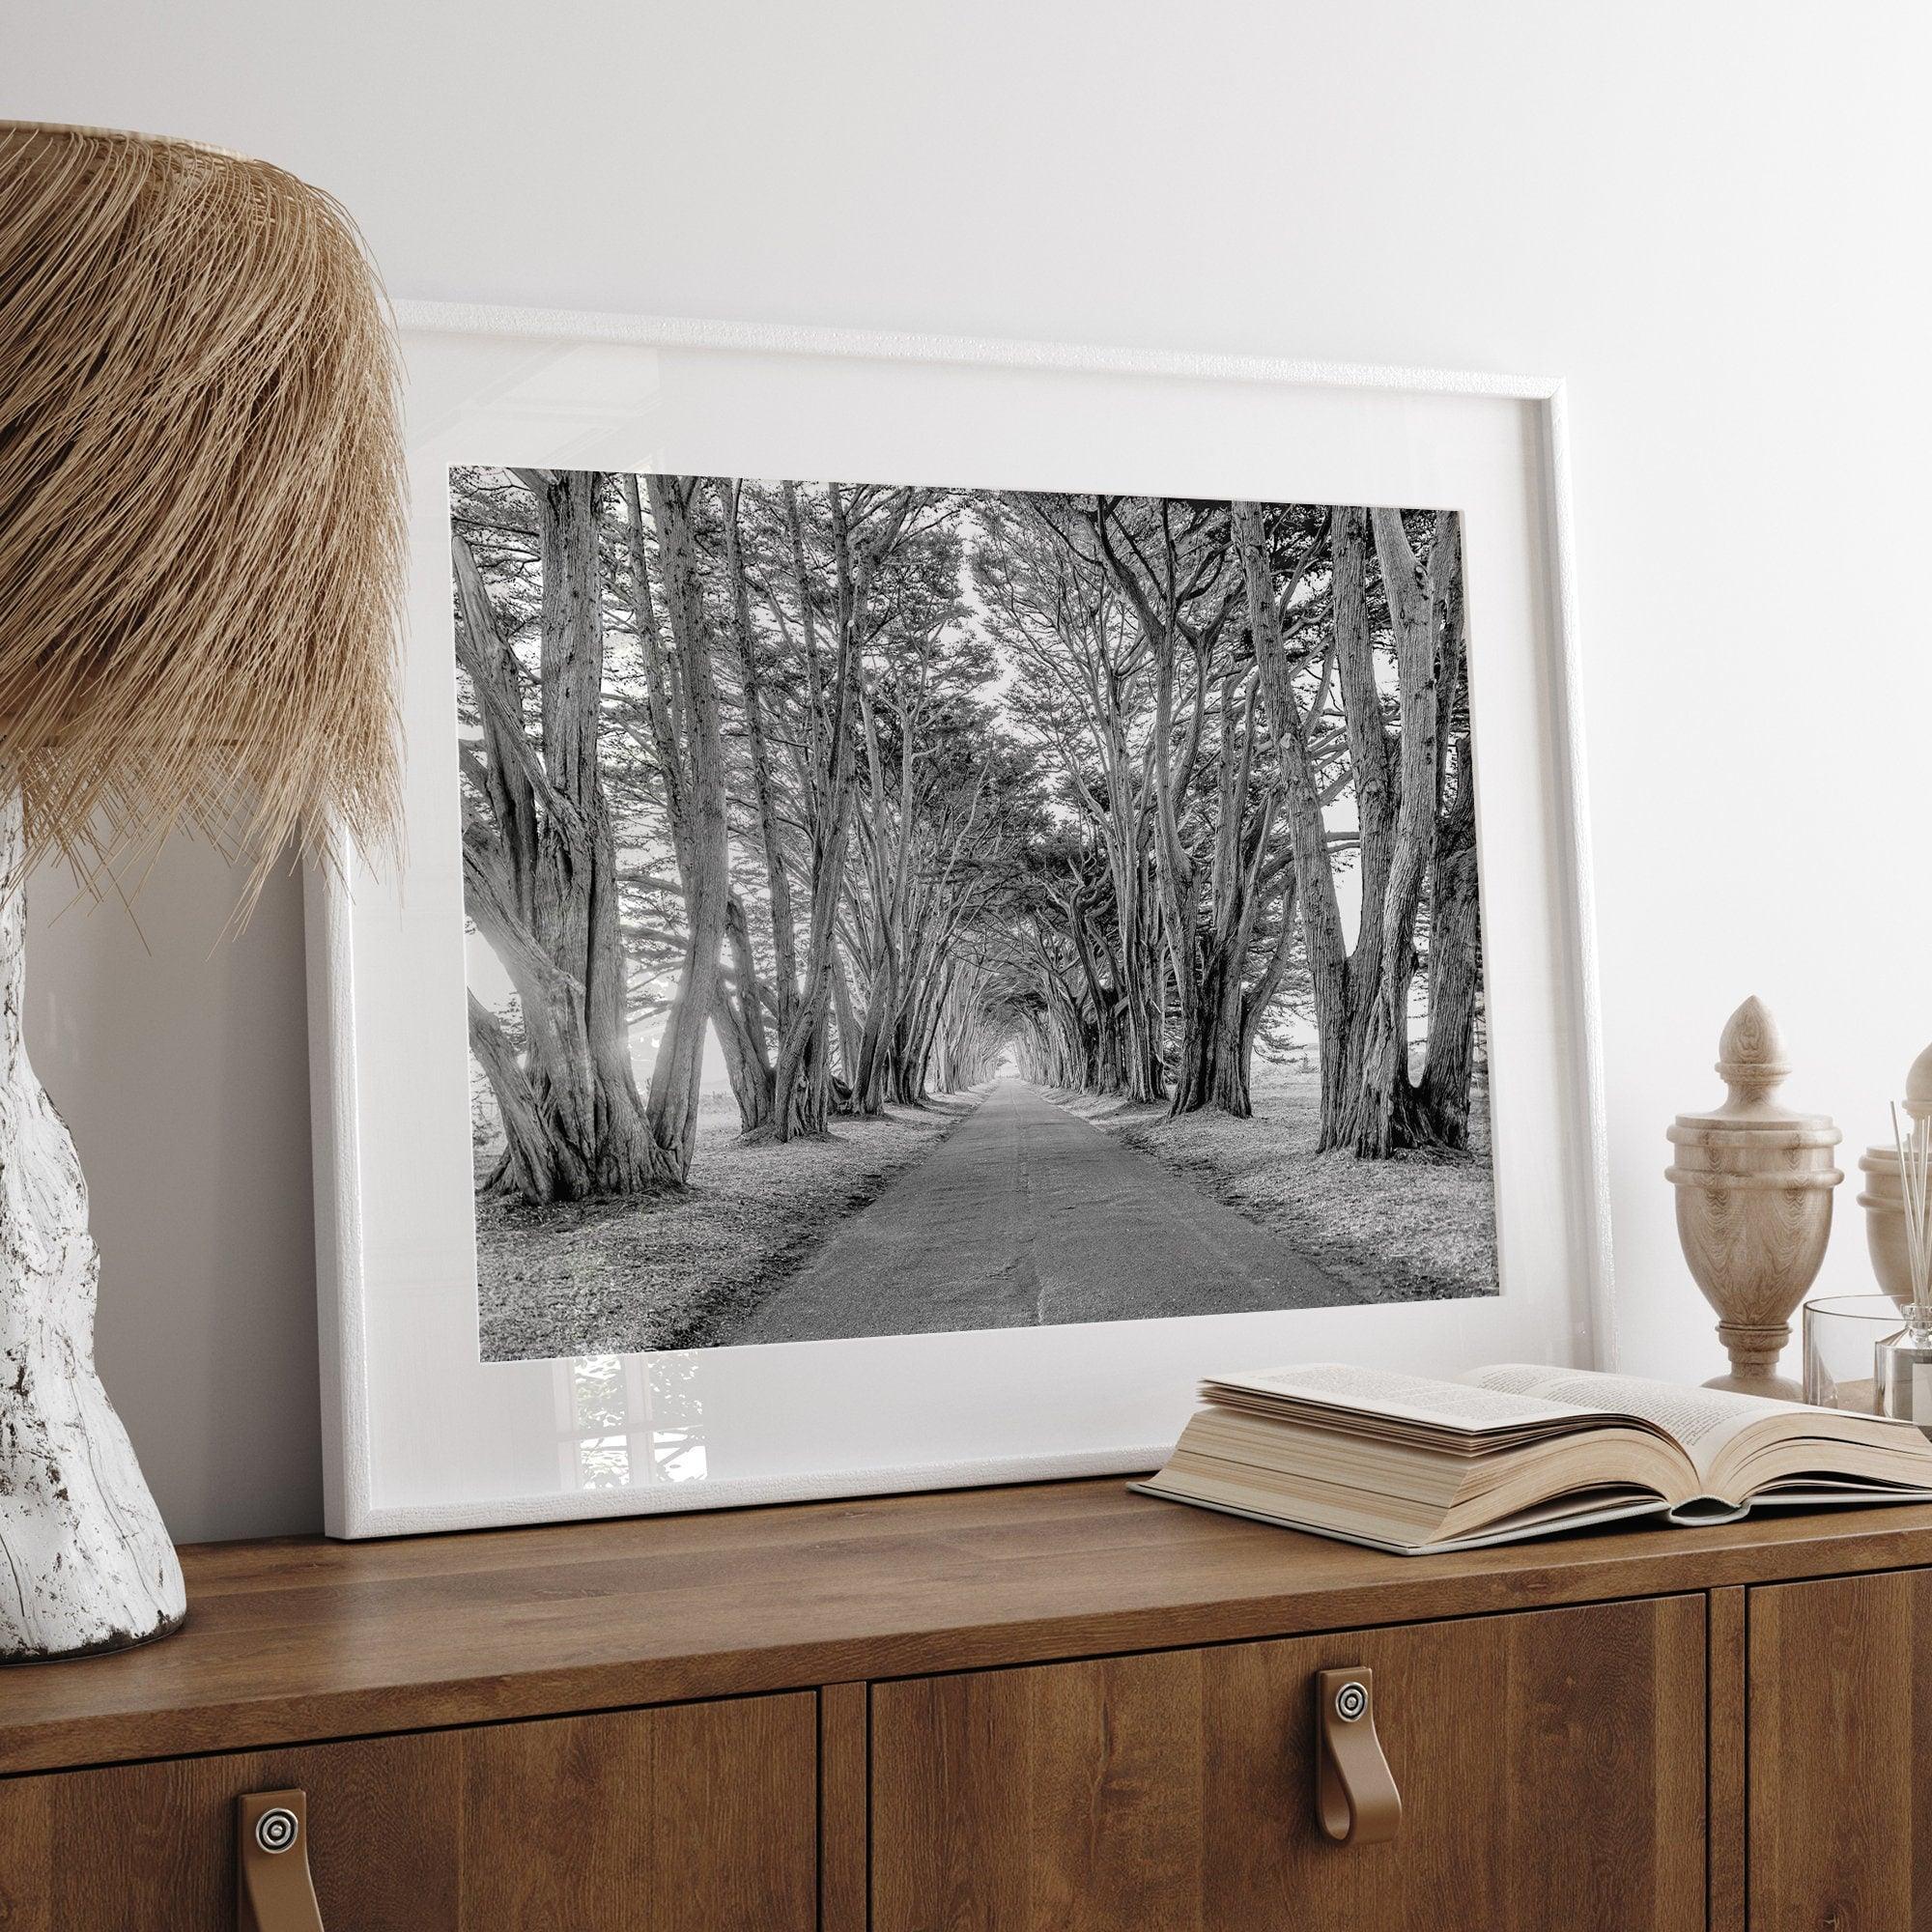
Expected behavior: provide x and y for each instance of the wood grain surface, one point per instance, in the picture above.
(845, 1804)
(1840, 1737)
(1550, 1765)
(302, 1640)
(697, 1818)
(1727, 1782)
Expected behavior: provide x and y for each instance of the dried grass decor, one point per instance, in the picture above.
(201, 503)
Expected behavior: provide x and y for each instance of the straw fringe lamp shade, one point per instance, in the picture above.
(201, 557)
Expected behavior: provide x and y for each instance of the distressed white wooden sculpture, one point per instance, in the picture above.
(85, 1562)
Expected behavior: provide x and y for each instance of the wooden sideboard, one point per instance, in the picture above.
(1049, 1709)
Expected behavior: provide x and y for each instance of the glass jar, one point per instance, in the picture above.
(1842, 1337)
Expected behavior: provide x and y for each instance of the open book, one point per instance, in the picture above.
(1407, 1463)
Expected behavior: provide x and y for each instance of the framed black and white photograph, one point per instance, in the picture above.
(951, 890)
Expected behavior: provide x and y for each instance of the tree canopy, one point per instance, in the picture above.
(885, 786)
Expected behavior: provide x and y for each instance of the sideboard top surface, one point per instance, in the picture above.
(302, 1639)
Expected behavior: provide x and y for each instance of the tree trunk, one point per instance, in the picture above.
(1327, 953)
(738, 1018)
(593, 1099)
(85, 1560)
(1113, 1053)
(777, 878)
(1258, 996)
(1214, 1067)
(1455, 937)
(1455, 987)
(802, 1081)
(1217, 1053)
(844, 1082)
(663, 686)
(869, 1083)
(809, 1107)
(1388, 1114)
(524, 1170)
(676, 1076)
(540, 878)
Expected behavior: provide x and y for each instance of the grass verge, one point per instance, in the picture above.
(1417, 1227)
(668, 1271)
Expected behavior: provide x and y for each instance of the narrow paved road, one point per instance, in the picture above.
(1027, 1214)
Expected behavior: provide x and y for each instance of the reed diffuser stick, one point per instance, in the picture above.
(1912, 1132)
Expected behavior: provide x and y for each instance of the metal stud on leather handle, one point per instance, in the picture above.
(1356, 1798)
(274, 1890)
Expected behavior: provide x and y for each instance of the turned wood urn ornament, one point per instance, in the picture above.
(1754, 1182)
(1884, 1195)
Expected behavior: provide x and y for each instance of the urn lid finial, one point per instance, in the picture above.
(1750, 1055)
(1918, 1087)
(1752, 1064)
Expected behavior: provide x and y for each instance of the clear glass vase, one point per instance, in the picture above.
(1842, 1334)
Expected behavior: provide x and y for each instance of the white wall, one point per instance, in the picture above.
(1710, 217)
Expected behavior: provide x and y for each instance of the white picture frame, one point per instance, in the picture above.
(422, 1435)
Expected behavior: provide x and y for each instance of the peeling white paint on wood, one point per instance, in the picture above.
(85, 1561)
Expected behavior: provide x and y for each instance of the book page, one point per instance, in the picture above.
(1608, 1506)
(1462, 1406)
(1704, 1421)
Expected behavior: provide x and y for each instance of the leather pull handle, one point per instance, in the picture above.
(274, 1890)
(1355, 1798)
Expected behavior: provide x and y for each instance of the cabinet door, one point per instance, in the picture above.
(691, 1818)
(1839, 1740)
(1550, 1765)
